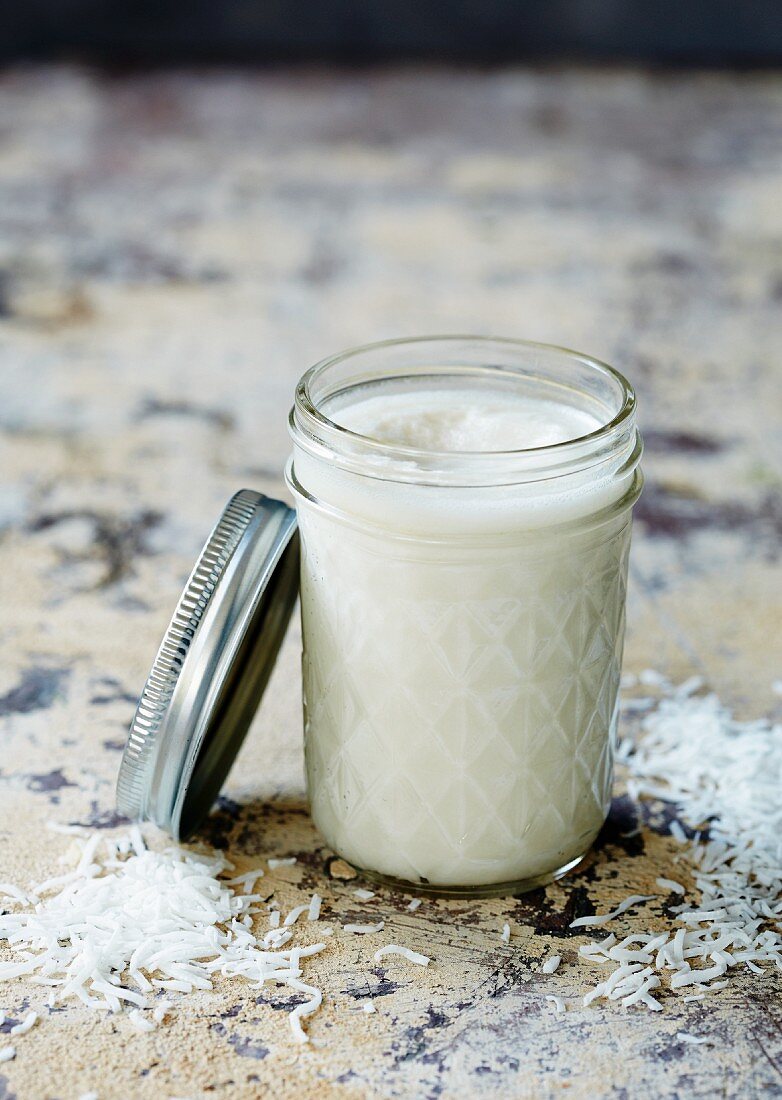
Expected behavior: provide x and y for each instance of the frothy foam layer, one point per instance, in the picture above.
(465, 420)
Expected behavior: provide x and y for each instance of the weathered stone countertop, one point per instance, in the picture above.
(175, 249)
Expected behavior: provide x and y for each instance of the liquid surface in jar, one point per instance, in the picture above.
(464, 420)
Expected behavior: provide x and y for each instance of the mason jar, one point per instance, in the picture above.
(464, 508)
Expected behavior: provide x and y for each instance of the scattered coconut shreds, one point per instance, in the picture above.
(693, 753)
(7, 1054)
(670, 884)
(141, 1023)
(559, 1004)
(687, 1037)
(369, 1007)
(414, 904)
(365, 895)
(364, 929)
(287, 862)
(124, 925)
(246, 881)
(505, 933)
(294, 915)
(551, 964)
(604, 918)
(15, 894)
(67, 830)
(306, 1009)
(313, 909)
(651, 678)
(27, 1023)
(405, 952)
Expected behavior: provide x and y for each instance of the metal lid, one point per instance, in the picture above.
(212, 667)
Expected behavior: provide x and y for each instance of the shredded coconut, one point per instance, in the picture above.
(294, 915)
(313, 910)
(506, 933)
(302, 1010)
(364, 929)
(27, 1023)
(369, 1007)
(405, 952)
(121, 926)
(141, 1023)
(693, 753)
(287, 862)
(15, 894)
(687, 1037)
(414, 904)
(365, 895)
(246, 881)
(604, 918)
(670, 884)
(651, 678)
(559, 1004)
(7, 1054)
(550, 965)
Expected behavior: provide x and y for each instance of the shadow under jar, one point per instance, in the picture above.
(464, 506)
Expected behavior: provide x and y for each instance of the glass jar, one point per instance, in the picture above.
(463, 617)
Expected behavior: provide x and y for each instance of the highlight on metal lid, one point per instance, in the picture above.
(212, 667)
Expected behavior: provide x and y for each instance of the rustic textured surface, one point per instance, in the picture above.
(175, 250)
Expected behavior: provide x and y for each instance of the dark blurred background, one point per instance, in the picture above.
(731, 33)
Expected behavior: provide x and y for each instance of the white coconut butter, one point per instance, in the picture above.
(464, 547)
(457, 419)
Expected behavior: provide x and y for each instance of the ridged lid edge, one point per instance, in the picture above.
(132, 781)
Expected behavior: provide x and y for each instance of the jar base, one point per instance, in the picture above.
(483, 890)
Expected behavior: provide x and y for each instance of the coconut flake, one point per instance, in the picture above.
(27, 1023)
(505, 937)
(551, 964)
(604, 918)
(302, 1010)
(141, 1023)
(688, 1037)
(414, 904)
(670, 884)
(364, 929)
(405, 952)
(365, 895)
(132, 921)
(247, 881)
(7, 1054)
(294, 915)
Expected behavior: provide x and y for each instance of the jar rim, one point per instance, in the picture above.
(311, 427)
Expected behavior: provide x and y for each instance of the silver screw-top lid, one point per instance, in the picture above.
(212, 667)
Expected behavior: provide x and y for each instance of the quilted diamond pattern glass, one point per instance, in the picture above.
(505, 671)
